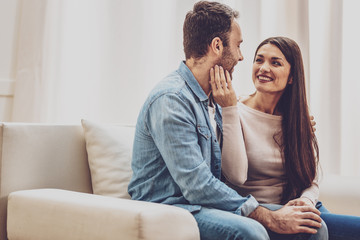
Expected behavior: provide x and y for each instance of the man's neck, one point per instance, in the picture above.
(201, 71)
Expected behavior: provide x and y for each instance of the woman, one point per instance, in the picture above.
(272, 152)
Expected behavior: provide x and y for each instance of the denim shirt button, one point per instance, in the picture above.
(215, 140)
(216, 167)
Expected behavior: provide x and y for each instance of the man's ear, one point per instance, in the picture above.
(216, 46)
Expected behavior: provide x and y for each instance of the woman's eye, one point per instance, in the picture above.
(277, 63)
(258, 60)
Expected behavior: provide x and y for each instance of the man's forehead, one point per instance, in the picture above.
(236, 31)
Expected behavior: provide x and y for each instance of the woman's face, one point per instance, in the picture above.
(270, 70)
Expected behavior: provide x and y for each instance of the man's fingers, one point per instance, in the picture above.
(304, 229)
(313, 216)
(310, 223)
(310, 213)
(310, 209)
(313, 123)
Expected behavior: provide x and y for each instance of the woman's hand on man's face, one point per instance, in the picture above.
(221, 87)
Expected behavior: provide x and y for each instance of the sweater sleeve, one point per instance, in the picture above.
(234, 159)
(312, 193)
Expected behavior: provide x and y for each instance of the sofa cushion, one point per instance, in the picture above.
(109, 149)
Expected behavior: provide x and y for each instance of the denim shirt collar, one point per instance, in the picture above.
(189, 78)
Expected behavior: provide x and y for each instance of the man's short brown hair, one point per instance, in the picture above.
(205, 22)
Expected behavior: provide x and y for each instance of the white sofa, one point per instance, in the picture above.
(46, 189)
(46, 192)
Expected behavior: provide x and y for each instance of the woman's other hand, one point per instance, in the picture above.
(221, 87)
(302, 201)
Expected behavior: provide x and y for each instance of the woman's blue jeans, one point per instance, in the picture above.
(340, 227)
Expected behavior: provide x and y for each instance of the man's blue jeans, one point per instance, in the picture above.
(340, 227)
(221, 225)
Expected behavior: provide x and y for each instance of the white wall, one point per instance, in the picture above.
(8, 32)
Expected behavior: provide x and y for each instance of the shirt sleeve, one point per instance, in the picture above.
(171, 121)
(234, 159)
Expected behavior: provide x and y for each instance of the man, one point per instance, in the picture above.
(176, 154)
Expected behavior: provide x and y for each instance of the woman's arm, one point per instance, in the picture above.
(234, 162)
(308, 197)
(312, 193)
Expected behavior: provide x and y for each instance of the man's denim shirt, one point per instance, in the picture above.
(176, 156)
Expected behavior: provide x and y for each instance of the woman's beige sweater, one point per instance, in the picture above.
(251, 159)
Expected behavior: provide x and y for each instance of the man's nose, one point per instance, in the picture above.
(241, 57)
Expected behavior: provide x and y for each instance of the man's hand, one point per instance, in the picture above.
(221, 87)
(296, 219)
(289, 219)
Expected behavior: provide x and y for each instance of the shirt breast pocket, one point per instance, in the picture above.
(204, 140)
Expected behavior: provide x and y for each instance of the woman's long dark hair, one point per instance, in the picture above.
(298, 142)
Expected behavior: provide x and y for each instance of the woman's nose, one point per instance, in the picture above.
(265, 67)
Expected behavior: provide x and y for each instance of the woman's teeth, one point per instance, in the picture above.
(263, 78)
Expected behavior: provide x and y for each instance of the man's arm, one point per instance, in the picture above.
(173, 124)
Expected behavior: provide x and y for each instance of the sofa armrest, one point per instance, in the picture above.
(60, 214)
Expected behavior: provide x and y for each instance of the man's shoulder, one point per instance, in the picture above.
(172, 85)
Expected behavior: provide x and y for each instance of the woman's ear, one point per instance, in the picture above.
(216, 46)
(290, 80)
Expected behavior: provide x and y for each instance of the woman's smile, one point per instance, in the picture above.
(264, 79)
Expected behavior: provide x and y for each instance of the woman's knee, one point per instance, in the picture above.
(322, 232)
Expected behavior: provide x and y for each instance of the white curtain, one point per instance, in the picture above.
(98, 59)
(94, 59)
(334, 84)
(29, 84)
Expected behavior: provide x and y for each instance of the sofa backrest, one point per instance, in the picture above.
(41, 156)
